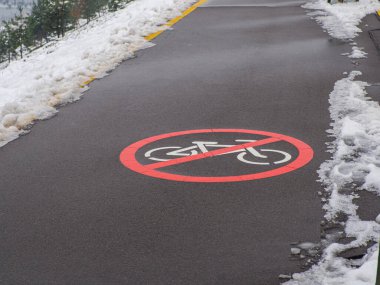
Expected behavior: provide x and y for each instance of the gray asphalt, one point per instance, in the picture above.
(71, 213)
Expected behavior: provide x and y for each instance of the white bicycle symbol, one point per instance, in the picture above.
(202, 147)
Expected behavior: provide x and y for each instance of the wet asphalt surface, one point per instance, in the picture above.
(71, 213)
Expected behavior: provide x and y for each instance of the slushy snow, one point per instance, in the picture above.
(31, 89)
(355, 164)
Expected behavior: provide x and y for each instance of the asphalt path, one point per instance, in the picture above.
(71, 213)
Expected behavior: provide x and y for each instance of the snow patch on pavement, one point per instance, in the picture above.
(357, 52)
(341, 20)
(31, 89)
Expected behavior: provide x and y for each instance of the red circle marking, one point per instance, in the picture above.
(128, 157)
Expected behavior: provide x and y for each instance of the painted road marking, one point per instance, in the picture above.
(211, 153)
(204, 146)
(172, 22)
(156, 169)
(88, 81)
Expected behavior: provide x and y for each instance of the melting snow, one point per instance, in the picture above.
(357, 52)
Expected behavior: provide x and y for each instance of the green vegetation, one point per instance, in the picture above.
(48, 19)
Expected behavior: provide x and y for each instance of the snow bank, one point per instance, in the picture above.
(341, 20)
(355, 162)
(31, 89)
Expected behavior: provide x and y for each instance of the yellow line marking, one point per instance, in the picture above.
(84, 84)
(152, 36)
(172, 22)
(378, 12)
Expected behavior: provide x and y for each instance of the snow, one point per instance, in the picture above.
(295, 251)
(341, 20)
(378, 219)
(364, 274)
(31, 89)
(355, 163)
(307, 245)
(357, 52)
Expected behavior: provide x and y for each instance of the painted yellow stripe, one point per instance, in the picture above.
(152, 36)
(172, 22)
(84, 84)
(378, 13)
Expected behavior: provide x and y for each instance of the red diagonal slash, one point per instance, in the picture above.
(211, 153)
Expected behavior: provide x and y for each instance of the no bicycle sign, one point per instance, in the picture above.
(216, 155)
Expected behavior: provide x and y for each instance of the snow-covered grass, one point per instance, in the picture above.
(31, 89)
(355, 163)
